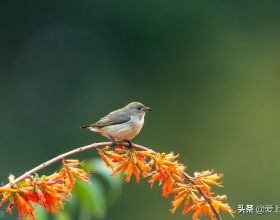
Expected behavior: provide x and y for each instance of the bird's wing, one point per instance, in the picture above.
(113, 118)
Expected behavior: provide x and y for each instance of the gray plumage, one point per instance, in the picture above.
(122, 124)
(115, 117)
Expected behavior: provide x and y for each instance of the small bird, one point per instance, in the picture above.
(123, 124)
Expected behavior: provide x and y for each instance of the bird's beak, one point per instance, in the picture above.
(147, 109)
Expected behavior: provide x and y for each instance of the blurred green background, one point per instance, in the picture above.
(209, 70)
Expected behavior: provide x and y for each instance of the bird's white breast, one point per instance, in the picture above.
(124, 131)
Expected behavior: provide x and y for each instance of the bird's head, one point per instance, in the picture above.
(137, 108)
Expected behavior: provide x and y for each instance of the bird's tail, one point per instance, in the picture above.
(85, 126)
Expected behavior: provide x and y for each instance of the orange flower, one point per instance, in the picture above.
(51, 197)
(72, 168)
(195, 203)
(183, 192)
(217, 203)
(136, 172)
(200, 206)
(168, 170)
(52, 191)
(108, 162)
(48, 191)
(209, 177)
(178, 201)
(121, 166)
(141, 162)
(24, 207)
(129, 161)
(206, 178)
(128, 171)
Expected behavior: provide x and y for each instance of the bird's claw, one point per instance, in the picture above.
(129, 144)
(114, 142)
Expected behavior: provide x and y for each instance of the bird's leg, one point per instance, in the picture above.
(115, 144)
(129, 143)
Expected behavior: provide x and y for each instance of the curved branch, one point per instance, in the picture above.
(94, 146)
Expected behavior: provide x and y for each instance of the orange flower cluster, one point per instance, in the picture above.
(168, 171)
(165, 169)
(51, 191)
(207, 178)
(198, 205)
(48, 191)
(127, 161)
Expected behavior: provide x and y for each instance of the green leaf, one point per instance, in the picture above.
(40, 212)
(92, 199)
(98, 168)
(62, 215)
(73, 204)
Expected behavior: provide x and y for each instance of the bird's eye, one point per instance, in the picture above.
(139, 108)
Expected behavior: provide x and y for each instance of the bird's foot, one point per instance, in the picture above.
(129, 144)
(114, 142)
